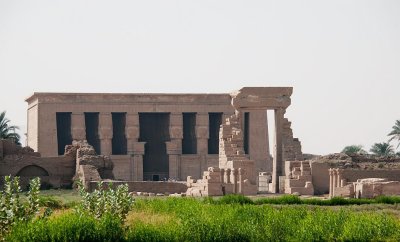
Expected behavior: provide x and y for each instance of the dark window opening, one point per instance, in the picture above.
(154, 130)
(189, 142)
(156, 177)
(92, 130)
(119, 146)
(246, 132)
(215, 120)
(64, 136)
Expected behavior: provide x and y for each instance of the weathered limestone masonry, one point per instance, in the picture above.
(236, 172)
(89, 165)
(298, 178)
(154, 137)
(291, 146)
(345, 176)
(362, 188)
(24, 162)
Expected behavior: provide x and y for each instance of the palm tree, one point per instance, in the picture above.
(353, 149)
(395, 133)
(8, 131)
(382, 149)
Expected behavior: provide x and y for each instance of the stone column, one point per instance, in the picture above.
(339, 178)
(132, 130)
(202, 135)
(105, 133)
(334, 174)
(278, 159)
(137, 154)
(258, 139)
(135, 149)
(174, 147)
(227, 176)
(234, 179)
(330, 182)
(78, 128)
(240, 181)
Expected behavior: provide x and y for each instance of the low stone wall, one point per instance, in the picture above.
(354, 175)
(148, 186)
(320, 176)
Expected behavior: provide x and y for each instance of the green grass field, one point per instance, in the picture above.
(230, 218)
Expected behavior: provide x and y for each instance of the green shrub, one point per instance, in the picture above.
(103, 201)
(12, 209)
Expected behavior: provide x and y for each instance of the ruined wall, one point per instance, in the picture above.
(354, 168)
(291, 146)
(53, 171)
(353, 175)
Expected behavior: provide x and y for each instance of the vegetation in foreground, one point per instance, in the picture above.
(230, 218)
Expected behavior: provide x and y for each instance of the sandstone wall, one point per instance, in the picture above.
(354, 175)
(320, 175)
(123, 167)
(60, 169)
(33, 126)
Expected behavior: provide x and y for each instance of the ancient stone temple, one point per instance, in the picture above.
(155, 137)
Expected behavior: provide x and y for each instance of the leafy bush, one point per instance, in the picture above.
(104, 201)
(12, 209)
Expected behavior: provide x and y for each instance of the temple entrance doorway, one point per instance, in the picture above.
(154, 130)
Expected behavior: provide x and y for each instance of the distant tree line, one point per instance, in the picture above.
(383, 149)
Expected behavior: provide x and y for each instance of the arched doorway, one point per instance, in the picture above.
(29, 172)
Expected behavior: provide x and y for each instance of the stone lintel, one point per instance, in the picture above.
(262, 97)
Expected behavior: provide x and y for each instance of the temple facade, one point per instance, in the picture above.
(151, 137)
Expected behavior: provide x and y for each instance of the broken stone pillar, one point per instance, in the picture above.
(105, 133)
(174, 147)
(278, 159)
(291, 146)
(78, 130)
(202, 135)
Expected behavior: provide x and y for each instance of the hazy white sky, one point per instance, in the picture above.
(342, 57)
